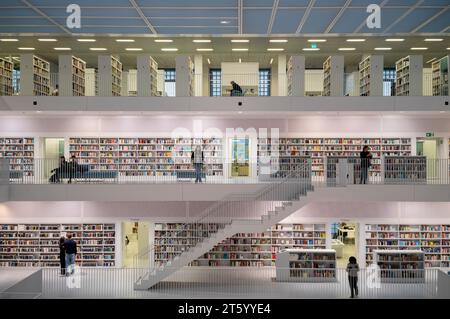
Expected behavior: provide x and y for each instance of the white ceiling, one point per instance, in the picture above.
(263, 17)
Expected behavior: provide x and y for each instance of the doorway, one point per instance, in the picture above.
(135, 239)
(53, 149)
(240, 157)
(344, 241)
(430, 148)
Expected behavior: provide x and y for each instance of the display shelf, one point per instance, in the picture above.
(20, 153)
(409, 76)
(37, 245)
(400, 266)
(432, 240)
(146, 156)
(240, 250)
(439, 71)
(306, 265)
(404, 169)
(6, 77)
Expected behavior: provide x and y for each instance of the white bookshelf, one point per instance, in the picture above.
(409, 76)
(147, 76)
(72, 76)
(440, 76)
(6, 77)
(37, 245)
(34, 75)
(19, 151)
(405, 169)
(431, 239)
(371, 76)
(240, 250)
(333, 76)
(109, 76)
(306, 265)
(185, 77)
(296, 76)
(146, 156)
(400, 266)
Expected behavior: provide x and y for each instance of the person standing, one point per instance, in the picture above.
(73, 167)
(366, 158)
(236, 89)
(352, 270)
(197, 158)
(62, 255)
(71, 251)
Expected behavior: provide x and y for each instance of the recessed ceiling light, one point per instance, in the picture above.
(239, 49)
(169, 49)
(278, 40)
(434, 40)
(356, 40)
(86, 40)
(97, 49)
(271, 60)
(347, 49)
(240, 60)
(205, 49)
(240, 112)
(124, 40)
(133, 49)
(47, 40)
(419, 49)
(275, 49)
(441, 111)
(383, 49)
(310, 49)
(240, 41)
(62, 49)
(201, 41)
(317, 40)
(394, 40)
(9, 40)
(209, 61)
(224, 22)
(164, 40)
(24, 48)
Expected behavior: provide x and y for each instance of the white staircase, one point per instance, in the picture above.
(279, 210)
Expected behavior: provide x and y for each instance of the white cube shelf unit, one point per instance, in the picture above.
(19, 151)
(37, 245)
(400, 266)
(34, 75)
(146, 156)
(409, 76)
(72, 76)
(371, 76)
(240, 250)
(306, 265)
(439, 71)
(291, 149)
(404, 169)
(6, 77)
(432, 239)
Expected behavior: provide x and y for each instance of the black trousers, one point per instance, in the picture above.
(353, 281)
(62, 261)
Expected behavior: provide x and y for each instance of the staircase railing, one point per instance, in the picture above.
(278, 188)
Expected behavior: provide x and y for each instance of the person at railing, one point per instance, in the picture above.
(57, 172)
(70, 247)
(73, 167)
(197, 159)
(352, 270)
(366, 158)
(236, 90)
(62, 255)
(55, 91)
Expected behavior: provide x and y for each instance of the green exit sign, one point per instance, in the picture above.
(429, 134)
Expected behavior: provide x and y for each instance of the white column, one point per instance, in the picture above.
(376, 75)
(182, 85)
(125, 88)
(337, 75)
(104, 75)
(416, 75)
(282, 80)
(26, 75)
(65, 75)
(144, 75)
(160, 82)
(198, 75)
(298, 75)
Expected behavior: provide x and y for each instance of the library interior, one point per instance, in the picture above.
(224, 149)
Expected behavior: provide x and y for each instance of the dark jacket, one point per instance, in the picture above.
(236, 87)
(71, 246)
(365, 159)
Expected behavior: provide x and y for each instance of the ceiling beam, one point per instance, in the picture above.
(404, 15)
(305, 16)
(272, 17)
(430, 19)
(240, 16)
(358, 29)
(338, 16)
(46, 16)
(143, 17)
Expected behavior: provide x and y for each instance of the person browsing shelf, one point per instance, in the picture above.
(57, 172)
(197, 158)
(366, 158)
(70, 247)
(236, 90)
(352, 270)
(62, 256)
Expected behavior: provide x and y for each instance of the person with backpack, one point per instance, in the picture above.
(352, 270)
